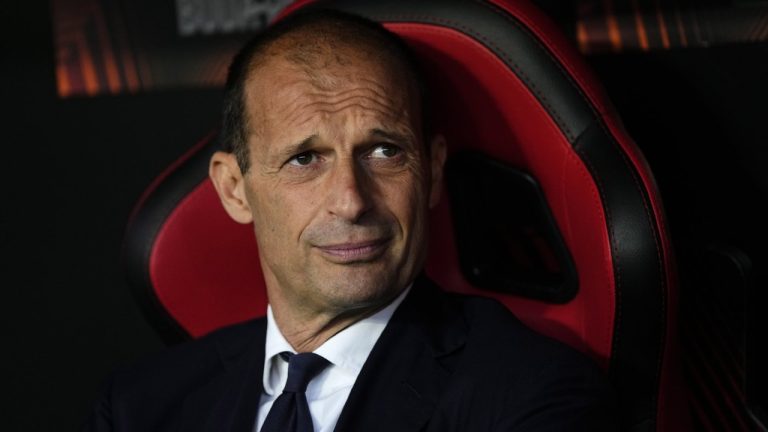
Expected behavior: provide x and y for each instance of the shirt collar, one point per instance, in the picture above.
(348, 349)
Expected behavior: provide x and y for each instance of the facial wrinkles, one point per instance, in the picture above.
(295, 96)
(326, 104)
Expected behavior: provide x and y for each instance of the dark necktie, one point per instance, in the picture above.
(290, 411)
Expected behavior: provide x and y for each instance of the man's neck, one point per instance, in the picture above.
(307, 334)
(308, 330)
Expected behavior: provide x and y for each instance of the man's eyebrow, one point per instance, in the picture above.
(297, 148)
(392, 136)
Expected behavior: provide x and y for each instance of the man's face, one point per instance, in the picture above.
(340, 182)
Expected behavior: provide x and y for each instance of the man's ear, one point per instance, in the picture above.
(230, 185)
(438, 152)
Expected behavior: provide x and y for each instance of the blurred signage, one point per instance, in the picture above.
(225, 16)
(109, 47)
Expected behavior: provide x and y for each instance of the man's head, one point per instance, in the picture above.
(304, 38)
(327, 159)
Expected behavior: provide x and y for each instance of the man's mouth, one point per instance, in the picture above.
(351, 252)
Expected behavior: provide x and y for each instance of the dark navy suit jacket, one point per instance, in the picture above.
(445, 362)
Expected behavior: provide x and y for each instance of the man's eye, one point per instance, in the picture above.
(303, 159)
(385, 151)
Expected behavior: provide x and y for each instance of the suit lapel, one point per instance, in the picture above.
(406, 372)
(229, 402)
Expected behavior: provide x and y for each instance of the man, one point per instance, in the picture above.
(330, 158)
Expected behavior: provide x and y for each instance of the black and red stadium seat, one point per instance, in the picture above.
(550, 206)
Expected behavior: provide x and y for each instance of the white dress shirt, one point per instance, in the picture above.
(327, 393)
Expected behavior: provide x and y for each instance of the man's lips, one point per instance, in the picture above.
(354, 251)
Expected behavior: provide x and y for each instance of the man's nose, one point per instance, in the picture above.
(349, 196)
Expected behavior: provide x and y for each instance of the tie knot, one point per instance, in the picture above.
(301, 369)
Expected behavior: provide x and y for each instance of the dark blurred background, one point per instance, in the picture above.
(100, 96)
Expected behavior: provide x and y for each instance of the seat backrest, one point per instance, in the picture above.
(576, 234)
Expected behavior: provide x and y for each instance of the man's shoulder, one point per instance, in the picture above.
(189, 362)
(230, 340)
(496, 339)
(151, 393)
(524, 377)
(491, 325)
(483, 317)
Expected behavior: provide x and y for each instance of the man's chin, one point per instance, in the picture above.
(359, 288)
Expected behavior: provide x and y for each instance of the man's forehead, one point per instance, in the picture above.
(327, 63)
(281, 76)
(325, 54)
(280, 82)
(300, 103)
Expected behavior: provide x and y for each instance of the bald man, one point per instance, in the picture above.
(327, 154)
